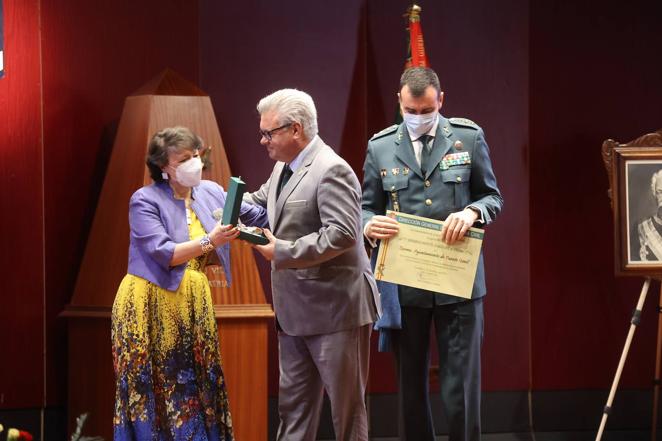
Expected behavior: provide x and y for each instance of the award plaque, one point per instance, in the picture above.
(417, 257)
(231, 214)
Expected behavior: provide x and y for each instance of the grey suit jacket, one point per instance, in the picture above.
(320, 274)
(446, 187)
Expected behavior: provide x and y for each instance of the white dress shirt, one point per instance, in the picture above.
(418, 145)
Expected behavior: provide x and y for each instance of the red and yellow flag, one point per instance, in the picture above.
(416, 56)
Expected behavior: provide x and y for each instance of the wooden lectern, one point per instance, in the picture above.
(242, 312)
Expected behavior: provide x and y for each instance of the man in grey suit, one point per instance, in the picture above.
(324, 293)
(437, 168)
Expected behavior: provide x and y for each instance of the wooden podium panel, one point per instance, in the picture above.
(91, 380)
(241, 309)
(243, 337)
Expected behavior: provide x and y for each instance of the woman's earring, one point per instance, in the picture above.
(164, 175)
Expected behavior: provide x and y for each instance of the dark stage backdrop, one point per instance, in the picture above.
(70, 64)
(349, 58)
(21, 205)
(593, 76)
(94, 55)
(548, 81)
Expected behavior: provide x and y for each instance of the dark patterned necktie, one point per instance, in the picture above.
(284, 177)
(426, 149)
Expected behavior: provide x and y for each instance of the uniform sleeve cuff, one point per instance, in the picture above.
(480, 219)
(371, 241)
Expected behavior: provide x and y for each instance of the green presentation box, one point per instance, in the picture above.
(231, 213)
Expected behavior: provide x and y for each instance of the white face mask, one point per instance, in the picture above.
(189, 173)
(419, 124)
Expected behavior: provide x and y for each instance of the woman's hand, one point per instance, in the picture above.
(222, 234)
(185, 251)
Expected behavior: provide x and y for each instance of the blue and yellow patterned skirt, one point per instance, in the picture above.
(170, 384)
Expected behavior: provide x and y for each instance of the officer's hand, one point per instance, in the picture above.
(457, 224)
(382, 227)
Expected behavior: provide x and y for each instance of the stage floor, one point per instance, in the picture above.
(617, 435)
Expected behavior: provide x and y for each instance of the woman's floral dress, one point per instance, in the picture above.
(169, 381)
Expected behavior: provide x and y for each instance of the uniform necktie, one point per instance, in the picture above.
(426, 149)
(284, 177)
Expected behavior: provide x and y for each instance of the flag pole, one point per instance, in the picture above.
(416, 50)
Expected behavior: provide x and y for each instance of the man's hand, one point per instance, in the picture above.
(382, 227)
(457, 224)
(267, 250)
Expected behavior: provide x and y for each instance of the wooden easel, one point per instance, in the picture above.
(658, 367)
(634, 322)
(640, 147)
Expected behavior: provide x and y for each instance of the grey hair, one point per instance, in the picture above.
(291, 105)
(165, 142)
(657, 175)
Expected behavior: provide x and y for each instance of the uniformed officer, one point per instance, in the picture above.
(437, 168)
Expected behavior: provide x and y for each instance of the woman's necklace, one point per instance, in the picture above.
(187, 204)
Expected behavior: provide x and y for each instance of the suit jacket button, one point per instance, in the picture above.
(428, 202)
(459, 179)
(427, 183)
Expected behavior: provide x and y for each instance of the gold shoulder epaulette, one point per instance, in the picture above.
(463, 122)
(386, 131)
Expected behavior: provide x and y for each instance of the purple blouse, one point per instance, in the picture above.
(158, 223)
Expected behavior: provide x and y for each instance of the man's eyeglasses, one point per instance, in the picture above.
(268, 134)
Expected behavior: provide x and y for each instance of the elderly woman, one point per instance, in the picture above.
(165, 343)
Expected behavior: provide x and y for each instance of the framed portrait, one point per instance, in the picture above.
(636, 192)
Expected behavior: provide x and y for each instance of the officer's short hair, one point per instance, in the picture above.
(291, 106)
(657, 175)
(418, 79)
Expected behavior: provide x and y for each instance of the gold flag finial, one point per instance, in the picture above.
(413, 12)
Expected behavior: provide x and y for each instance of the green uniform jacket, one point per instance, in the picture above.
(450, 184)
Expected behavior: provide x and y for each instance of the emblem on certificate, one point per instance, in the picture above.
(417, 257)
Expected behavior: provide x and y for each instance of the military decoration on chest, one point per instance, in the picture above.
(454, 159)
(395, 171)
(394, 199)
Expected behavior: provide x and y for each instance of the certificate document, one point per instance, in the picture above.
(417, 257)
